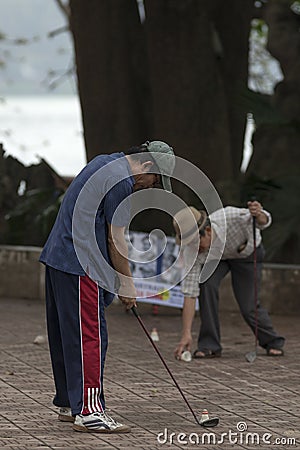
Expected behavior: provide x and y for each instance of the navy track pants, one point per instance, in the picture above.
(78, 341)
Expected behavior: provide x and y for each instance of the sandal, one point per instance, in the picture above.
(270, 352)
(206, 354)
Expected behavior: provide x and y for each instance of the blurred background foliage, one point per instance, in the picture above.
(32, 218)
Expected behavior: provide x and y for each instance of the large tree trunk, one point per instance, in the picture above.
(195, 79)
(181, 86)
(233, 23)
(108, 40)
(188, 98)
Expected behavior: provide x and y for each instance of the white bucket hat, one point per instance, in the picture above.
(187, 223)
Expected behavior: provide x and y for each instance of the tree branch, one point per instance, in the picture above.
(64, 7)
(60, 30)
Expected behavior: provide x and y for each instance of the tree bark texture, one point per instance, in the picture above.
(176, 77)
(188, 98)
(111, 76)
(232, 21)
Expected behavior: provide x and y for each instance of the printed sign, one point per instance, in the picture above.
(146, 260)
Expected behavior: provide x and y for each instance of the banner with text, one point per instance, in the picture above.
(157, 293)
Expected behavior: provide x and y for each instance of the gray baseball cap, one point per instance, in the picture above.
(164, 157)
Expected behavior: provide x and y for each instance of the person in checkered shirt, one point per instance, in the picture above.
(236, 256)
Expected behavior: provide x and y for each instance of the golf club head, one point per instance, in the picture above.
(212, 422)
(250, 357)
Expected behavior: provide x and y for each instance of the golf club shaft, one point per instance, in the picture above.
(255, 280)
(135, 312)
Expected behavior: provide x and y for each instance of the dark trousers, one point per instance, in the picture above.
(77, 337)
(242, 276)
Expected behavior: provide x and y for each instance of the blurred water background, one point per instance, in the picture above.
(44, 126)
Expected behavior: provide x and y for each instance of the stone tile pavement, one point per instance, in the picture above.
(262, 397)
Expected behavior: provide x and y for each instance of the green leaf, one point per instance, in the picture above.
(260, 26)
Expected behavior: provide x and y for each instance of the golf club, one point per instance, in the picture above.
(204, 423)
(251, 356)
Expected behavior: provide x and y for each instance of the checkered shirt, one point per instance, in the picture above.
(237, 230)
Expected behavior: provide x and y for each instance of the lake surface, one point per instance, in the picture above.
(48, 127)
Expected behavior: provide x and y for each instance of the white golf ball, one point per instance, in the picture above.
(186, 356)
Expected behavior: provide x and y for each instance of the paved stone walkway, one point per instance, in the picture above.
(263, 396)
